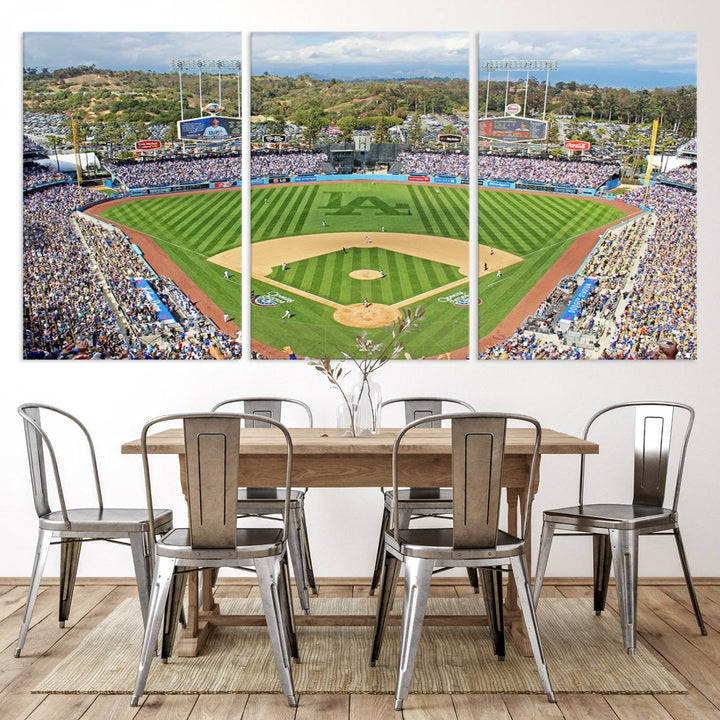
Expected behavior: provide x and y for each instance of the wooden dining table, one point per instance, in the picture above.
(324, 458)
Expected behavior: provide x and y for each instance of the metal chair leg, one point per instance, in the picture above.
(624, 544)
(418, 574)
(474, 580)
(307, 558)
(385, 602)
(164, 570)
(143, 570)
(689, 581)
(268, 574)
(522, 582)
(286, 609)
(380, 557)
(296, 557)
(173, 606)
(602, 561)
(41, 553)
(493, 597)
(546, 538)
(69, 559)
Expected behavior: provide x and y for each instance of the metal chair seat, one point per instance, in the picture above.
(659, 444)
(249, 543)
(421, 501)
(105, 520)
(266, 501)
(437, 544)
(617, 517)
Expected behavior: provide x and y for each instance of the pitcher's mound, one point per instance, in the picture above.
(373, 316)
(365, 274)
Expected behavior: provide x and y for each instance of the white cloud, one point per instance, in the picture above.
(658, 49)
(358, 49)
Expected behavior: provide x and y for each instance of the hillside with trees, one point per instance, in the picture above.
(123, 97)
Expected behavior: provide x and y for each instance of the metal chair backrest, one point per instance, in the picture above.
(653, 435)
(38, 443)
(264, 407)
(421, 407)
(478, 448)
(213, 470)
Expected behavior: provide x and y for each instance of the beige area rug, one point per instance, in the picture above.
(584, 655)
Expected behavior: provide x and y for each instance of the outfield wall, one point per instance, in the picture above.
(420, 179)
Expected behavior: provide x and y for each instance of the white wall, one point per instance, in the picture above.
(116, 398)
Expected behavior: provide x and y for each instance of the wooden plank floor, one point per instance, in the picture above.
(665, 623)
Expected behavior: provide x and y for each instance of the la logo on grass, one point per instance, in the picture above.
(360, 205)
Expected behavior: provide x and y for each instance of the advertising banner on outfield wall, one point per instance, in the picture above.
(498, 183)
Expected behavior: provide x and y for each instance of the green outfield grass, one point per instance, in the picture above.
(327, 276)
(191, 228)
(359, 206)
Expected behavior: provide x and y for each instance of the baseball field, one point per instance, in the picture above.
(330, 258)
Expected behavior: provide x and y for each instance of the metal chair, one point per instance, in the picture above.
(213, 540)
(474, 540)
(417, 502)
(72, 527)
(268, 502)
(616, 528)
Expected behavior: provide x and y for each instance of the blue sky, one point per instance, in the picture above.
(619, 59)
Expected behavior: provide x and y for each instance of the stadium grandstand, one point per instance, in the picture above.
(117, 316)
(89, 294)
(643, 282)
(519, 169)
(183, 170)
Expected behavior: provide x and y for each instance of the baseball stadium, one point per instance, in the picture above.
(573, 262)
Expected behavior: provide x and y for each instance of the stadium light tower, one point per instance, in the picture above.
(200, 64)
(528, 66)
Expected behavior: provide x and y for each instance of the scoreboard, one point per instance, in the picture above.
(512, 129)
(211, 127)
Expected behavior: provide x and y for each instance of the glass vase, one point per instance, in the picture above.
(367, 398)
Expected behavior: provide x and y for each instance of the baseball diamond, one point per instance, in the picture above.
(414, 238)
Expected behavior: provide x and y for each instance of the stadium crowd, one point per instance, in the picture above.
(662, 298)
(30, 146)
(686, 175)
(184, 170)
(497, 167)
(175, 171)
(65, 313)
(523, 345)
(646, 289)
(433, 163)
(36, 175)
(80, 295)
(293, 163)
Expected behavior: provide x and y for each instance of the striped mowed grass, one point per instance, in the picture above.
(328, 275)
(539, 228)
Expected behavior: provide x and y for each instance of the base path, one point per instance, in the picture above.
(270, 254)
